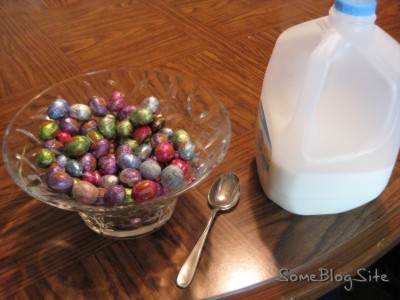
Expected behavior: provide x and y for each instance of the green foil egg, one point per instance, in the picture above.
(44, 158)
(124, 128)
(141, 116)
(94, 135)
(48, 130)
(130, 142)
(128, 197)
(77, 146)
(107, 126)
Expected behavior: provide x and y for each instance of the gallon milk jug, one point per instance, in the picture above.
(329, 119)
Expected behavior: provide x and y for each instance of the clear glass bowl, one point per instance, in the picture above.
(184, 103)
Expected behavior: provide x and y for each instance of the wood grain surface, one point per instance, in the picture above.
(225, 45)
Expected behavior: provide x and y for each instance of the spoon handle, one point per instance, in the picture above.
(188, 269)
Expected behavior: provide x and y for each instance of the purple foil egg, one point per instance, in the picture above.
(89, 125)
(100, 198)
(94, 177)
(126, 160)
(108, 165)
(59, 182)
(129, 177)
(55, 167)
(142, 133)
(53, 145)
(123, 149)
(116, 102)
(158, 138)
(88, 162)
(100, 148)
(125, 113)
(98, 106)
(70, 125)
(115, 195)
(85, 192)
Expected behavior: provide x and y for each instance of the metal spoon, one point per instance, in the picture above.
(223, 195)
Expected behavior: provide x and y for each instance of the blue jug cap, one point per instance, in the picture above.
(358, 8)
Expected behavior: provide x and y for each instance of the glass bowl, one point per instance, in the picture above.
(184, 104)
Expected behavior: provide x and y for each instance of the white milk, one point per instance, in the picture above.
(329, 118)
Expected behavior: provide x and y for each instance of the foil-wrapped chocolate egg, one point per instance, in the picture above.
(74, 168)
(94, 177)
(131, 143)
(145, 190)
(108, 126)
(172, 177)
(54, 167)
(116, 102)
(44, 158)
(108, 165)
(128, 197)
(125, 113)
(168, 132)
(129, 177)
(100, 198)
(59, 182)
(141, 116)
(108, 180)
(124, 128)
(53, 145)
(158, 138)
(180, 138)
(143, 151)
(98, 106)
(124, 148)
(100, 148)
(151, 103)
(88, 126)
(62, 160)
(80, 112)
(186, 152)
(126, 160)
(150, 169)
(142, 134)
(70, 125)
(85, 192)
(58, 109)
(63, 136)
(181, 164)
(77, 146)
(115, 195)
(94, 135)
(164, 152)
(88, 162)
(158, 122)
(48, 130)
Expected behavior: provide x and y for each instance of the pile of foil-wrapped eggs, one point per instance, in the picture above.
(111, 153)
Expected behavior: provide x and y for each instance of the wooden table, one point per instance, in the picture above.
(50, 253)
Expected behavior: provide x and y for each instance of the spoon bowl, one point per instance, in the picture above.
(224, 193)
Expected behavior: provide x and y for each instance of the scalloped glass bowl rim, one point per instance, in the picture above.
(75, 206)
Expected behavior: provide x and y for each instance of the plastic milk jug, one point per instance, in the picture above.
(328, 129)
